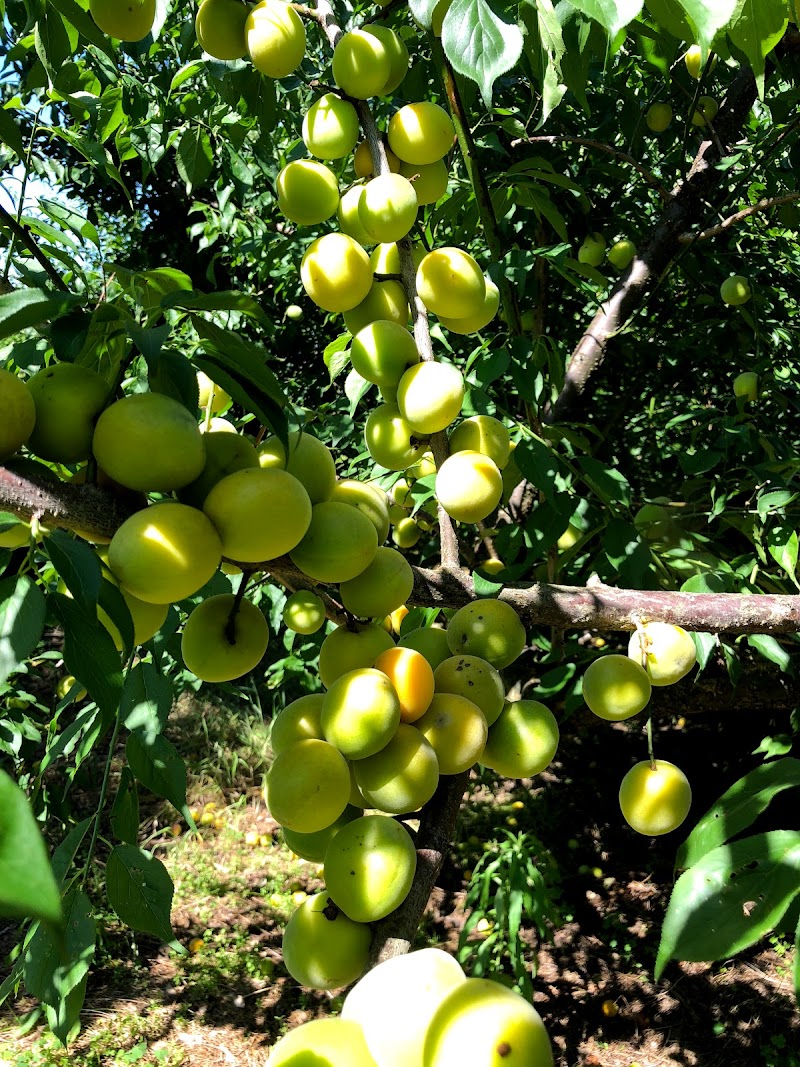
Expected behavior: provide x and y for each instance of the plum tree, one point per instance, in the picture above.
(383, 351)
(658, 117)
(655, 798)
(384, 300)
(484, 434)
(592, 250)
(209, 393)
(706, 110)
(362, 65)
(225, 453)
(369, 867)
(430, 641)
(312, 847)
(745, 385)
(335, 272)
(735, 290)
(430, 181)
(223, 640)
(391, 440)
(368, 499)
(480, 317)
(693, 58)
(322, 948)
(387, 208)
(621, 254)
(412, 678)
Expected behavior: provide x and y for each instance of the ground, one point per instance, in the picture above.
(226, 1000)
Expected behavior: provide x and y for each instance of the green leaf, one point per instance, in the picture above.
(608, 483)
(89, 653)
(52, 43)
(337, 355)
(613, 15)
(484, 587)
(479, 44)
(22, 614)
(146, 701)
(422, 10)
(140, 890)
(225, 300)
(703, 19)
(27, 884)
(772, 650)
(669, 14)
(57, 961)
(773, 500)
(85, 25)
(64, 855)
(176, 377)
(125, 809)
(77, 564)
(242, 359)
(782, 543)
(195, 158)
(731, 898)
(544, 45)
(540, 465)
(64, 1018)
(355, 387)
(24, 308)
(704, 644)
(738, 808)
(756, 28)
(158, 767)
(10, 134)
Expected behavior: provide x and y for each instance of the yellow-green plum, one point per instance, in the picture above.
(369, 867)
(406, 533)
(362, 65)
(621, 254)
(304, 612)
(430, 395)
(469, 486)
(308, 786)
(450, 283)
(16, 536)
(259, 514)
(299, 721)
(420, 133)
(385, 300)
(705, 112)
(616, 687)
(335, 272)
(412, 678)
(308, 192)
(208, 392)
(429, 181)
(486, 1024)
(362, 161)
(484, 434)
(402, 776)
(387, 208)
(322, 948)
(330, 127)
(345, 650)
(147, 619)
(669, 650)
(220, 28)
(396, 51)
(68, 398)
(340, 543)
(745, 386)
(19, 413)
(349, 217)
(658, 117)
(592, 250)
(127, 20)
(294, 313)
(361, 713)
(735, 290)
(395, 1002)
(385, 258)
(165, 553)
(456, 729)
(382, 586)
(480, 317)
(307, 459)
(368, 499)
(220, 644)
(523, 740)
(431, 641)
(423, 468)
(475, 679)
(322, 1043)
(655, 799)
(391, 441)
(312, 847)
(488, 629)
(276, 38)
(693, 58)
(226, 453)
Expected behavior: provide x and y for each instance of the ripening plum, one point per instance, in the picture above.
(368, 499)
(312, 847)
(220, 28)
(484, 434)
(430, 641)
(369, 867)
(330, 127)
(655, 799)
(387, 207)
(745, 386)
(396, 51)
(361, 713)
(333, 1042)
(217, 645)
(669, 651)
(340, 543)
(385, 300)
(130, 20)
(420, 133)
(362, 161)
(693, 58)
(402, 776)
(523, 740)
(450, 283)
(345, 650)
(308, 192)
(322, 948)
(412, 678)
(382, 586)
(349, 217)
(475, 679)
(621, 254)
(335, 272)
(308, 786)
(276, 38)
(430, 395)
(304, 612)
(406, 533)
(658, 117)
(616, 687)
(395, 1002)
(385, 258)
(429, 181)
(457, 730)
(362, 65)
(165, 553)
(391, 441)
(489, 629)
(259, 514)
(226, 453)
(19, 413)
(308, 460)
(68, 398)
(207, 390)
(735, 290)
(299, 721)
(383, 351)
(480, 317)
(592, 250)
(469, 486)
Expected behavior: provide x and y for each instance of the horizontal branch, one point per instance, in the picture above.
(739, 216)
(599, 146)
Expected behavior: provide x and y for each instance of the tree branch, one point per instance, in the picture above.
(25, 237)
(589, 142)
(732, 220)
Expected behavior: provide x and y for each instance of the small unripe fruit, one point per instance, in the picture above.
(387, 208)
(383, 351)
(220, 28)
(219, 645)
(658, 117)
(469, 486)
(745, 386)
(19, 413)
(484, 434)
(621, 254)
(304, 612)
(361, 64)
(340, 543)
(693, 58)
(322, 948)
(592, 250)
(735, 290)
(488, 629)
(706, 110)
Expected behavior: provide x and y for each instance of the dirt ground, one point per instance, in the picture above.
(226, 1000)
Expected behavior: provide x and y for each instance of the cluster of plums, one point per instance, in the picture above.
(394, 718)
(655, 796)
(421, 1010)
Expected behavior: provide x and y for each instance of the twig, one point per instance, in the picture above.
(600, 146)
(732, 220)
(21, 234)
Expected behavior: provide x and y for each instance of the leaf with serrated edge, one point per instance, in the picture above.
(479, 44)
(612, 15)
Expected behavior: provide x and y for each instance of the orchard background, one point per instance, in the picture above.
(142, 238)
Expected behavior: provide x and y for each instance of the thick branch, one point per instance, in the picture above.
(739, 216)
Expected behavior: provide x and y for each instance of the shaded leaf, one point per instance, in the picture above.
(140, 890)
(22, 614)
(27, 884)
(159, 767)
